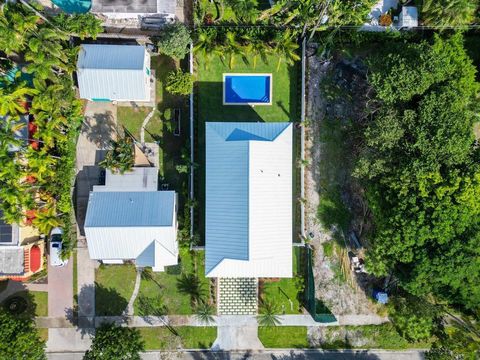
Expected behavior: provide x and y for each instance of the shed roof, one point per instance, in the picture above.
(130, 209)
(138, 179)
(248, 199)
(114, 72)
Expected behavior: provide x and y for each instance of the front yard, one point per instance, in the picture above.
(286, 294)
(283, 337)
(186, 337)
(115, 283)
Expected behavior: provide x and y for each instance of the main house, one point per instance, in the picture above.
(248, 200)
(114, 73)
(128, 219)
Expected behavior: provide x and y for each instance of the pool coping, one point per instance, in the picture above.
(270, 75)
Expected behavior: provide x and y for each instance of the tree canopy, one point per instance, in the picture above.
(421, 170)
(114, 342)
(174, 40)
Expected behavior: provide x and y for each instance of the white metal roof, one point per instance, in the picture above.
(248, 200)
(133, 225)
(113, 72)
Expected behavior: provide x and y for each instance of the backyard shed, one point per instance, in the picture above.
(113, 72)
(248, 200)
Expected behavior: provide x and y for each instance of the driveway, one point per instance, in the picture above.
(236, 332)
(60, 289)
(98, 128)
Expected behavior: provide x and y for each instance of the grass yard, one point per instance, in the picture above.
(43, 334)
(41, 302)
(283, 337)
(189, 337)
(113, 288)
(209, 107)
(283, 291)
(374, 337)
(159, 129)
(164, 284)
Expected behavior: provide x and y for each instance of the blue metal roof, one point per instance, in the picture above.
(122, 209)
(227, 179)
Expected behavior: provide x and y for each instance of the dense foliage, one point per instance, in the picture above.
(179, 83)
(448, 13)
(121, 157)
(37, 172)
(114, 342)
(19, 338)
(421, 170)
(174, 40)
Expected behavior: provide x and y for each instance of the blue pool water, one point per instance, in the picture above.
(245, 89)
(74, 6)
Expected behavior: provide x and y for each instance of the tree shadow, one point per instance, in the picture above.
(99, 128)
(21, 304)
(108, 301)
(148, 275)
(329, 354)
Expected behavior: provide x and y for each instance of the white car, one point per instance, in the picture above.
(56, 247)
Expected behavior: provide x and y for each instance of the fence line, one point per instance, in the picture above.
(192, 146)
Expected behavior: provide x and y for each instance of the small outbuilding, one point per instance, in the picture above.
(114, 72)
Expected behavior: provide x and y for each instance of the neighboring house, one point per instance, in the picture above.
(128, 219)
(114, 73)
(133, 9)
(21, 248)
(248, 200)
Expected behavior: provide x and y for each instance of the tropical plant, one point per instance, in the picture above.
(246, 11)
(268, 313)
(179, 83)
(286, 48)
(19, 337)
(174, 40)
(191, 285)
(13, 98)
(83, 25)
(233, 48)
(207, 45)
(46, 219)
(115, 342)
(256, 48)
(205, 312)
(120, 158)
(16, 25)
(448, 13)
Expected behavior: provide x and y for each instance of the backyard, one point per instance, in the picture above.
(209, 107)
(160, 127)
(159, 291)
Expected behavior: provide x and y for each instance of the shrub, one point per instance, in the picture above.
(174, 41)
(179, 83)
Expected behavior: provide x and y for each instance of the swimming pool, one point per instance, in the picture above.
(74, 6)
(247, 89)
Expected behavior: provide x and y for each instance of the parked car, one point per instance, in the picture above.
(56, 247)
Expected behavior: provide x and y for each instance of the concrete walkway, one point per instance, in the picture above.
(279, 354)
(129, 310)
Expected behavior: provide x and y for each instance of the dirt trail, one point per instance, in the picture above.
(338, 296)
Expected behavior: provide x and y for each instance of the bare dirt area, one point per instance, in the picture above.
(336, 97)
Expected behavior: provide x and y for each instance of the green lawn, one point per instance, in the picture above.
(113, 288)
(43, 334)
(283, 290)
(188, 337)
(376, 337)
(209, 107)
(283, 337)
(164, 284)
(41, 302)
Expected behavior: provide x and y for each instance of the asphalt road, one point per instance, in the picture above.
(267, 355)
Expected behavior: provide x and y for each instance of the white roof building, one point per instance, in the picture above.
(114, 72)
(132, 222)
(248, 200)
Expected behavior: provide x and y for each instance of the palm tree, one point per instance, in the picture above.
(191, 285)
(15, 26)
(286, 48)
(257, 48)
(205, 312)
(233, 48)
(268, 314)
(245, 10)
(13, 98)
(46, 219)
(207, 45)
(448, 13)
(121, 157)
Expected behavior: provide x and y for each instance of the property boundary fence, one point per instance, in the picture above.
(192, 147)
